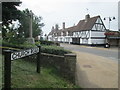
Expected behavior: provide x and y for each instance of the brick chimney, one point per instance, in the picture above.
(87, 17)
(56, 26)
(63, 25)
(52, 28)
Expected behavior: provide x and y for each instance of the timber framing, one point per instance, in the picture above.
(88, 31)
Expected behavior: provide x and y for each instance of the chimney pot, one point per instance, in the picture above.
(56, 26)
(63, 25)
(52, 27)
(87, 17)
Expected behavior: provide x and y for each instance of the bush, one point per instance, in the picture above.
(0, 41)
(20, 46)
(51, 49)
(45, 42)
(37, 43)
(54, 50)
(7, 44)
(26, 45)
(17, 40)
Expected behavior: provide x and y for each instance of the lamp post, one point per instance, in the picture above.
(107, 45)
(109, 19)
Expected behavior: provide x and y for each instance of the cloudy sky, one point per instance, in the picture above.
(72, 11)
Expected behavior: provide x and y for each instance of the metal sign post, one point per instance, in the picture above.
(9, 56)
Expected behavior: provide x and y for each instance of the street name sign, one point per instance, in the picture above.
(24, 53)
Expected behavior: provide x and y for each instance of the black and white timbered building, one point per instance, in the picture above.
(89, 31)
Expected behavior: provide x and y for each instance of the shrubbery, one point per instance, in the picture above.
(51, 49)
(16, 40)
(45, 42)
(54, 50)
(20, 46)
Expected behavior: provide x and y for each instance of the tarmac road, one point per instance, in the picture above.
(111, 53)
(95, 67)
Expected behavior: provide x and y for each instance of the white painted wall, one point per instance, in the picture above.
(84, 41)
(100, 26)
(97, 41)
(89, 41)
(80, 40)
(97, 34)
(61, 33)
(74, 34)
(59, 39)
(82, 34)
(50, 38)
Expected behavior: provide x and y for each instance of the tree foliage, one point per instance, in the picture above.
(9, 13)
(25, 20)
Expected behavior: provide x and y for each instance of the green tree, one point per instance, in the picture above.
(24, 24)
(9, 13)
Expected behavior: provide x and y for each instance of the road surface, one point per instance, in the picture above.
(100, 51)
(95, 67)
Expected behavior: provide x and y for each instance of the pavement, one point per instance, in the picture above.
(93, 71)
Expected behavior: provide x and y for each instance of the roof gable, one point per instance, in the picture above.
(86, 25)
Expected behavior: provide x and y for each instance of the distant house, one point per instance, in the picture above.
(89, 31)
(113, 38)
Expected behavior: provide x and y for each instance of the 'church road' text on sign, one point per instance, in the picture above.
(17, 55)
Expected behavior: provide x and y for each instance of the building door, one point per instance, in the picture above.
(76, 40)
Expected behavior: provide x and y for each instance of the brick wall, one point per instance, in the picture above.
(66, 65)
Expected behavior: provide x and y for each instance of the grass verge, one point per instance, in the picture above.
(24, 75)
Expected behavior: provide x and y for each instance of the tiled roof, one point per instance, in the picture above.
(58, 32)
(82, 25)
(52, 31)
(70, 28)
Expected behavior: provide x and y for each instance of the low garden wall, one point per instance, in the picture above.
(64, 64)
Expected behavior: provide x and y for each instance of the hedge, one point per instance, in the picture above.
(54, 50)
(45, 42)
(20, 46)
(51, 49)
